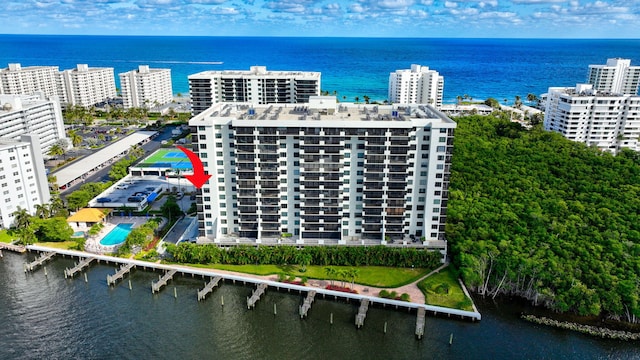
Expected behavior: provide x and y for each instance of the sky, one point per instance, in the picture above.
(327, 18)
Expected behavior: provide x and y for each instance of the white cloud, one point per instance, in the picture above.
(450, 4)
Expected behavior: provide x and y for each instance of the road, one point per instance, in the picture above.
(103, 174)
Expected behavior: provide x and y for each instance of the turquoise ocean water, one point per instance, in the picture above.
(480, 68)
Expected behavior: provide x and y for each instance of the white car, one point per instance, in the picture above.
(122, 186)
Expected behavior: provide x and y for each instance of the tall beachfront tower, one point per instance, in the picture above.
(85, 86)
(324, 172)
(146, 87)
(23, 180)
(596, 118)
(31, 114)
(256, 86)
(418, 85)
(617, 76)
(18, 80)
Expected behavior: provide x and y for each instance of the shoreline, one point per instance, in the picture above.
(585, 329)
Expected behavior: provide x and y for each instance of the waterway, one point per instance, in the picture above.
(53, 317)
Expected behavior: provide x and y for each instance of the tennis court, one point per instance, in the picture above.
(167, 158)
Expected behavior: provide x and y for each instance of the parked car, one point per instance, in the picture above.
(122, 186)
(135, 199)
(103, 200)
(179, 195)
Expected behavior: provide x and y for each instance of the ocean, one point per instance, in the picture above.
(479, 68)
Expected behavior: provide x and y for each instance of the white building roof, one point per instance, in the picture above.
(81, 167)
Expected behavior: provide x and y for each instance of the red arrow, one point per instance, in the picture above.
(199, 177)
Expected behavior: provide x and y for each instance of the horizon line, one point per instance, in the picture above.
(328, 37)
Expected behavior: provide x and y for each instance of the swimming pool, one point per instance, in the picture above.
(117, 235)
(78, 234)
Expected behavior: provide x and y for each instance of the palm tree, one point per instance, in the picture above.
(22, 218)
(136, 151)
(57, 208)
(56, 150)
(353, 274)
(43, 211)
(518, 102)
(330, 272)
(76, 139)
(357, 99)
(366, 99)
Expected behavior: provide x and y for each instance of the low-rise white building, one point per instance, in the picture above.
(418, 85)
(23, 180)
(324, 172)
(85, 86)
(146, 87)
(606, 120)
(31, 114)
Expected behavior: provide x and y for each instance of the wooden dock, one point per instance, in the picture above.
(39, 261)
(81, 265)
(362, 312)
(124, 269)
(251, 301)
(156, 286)
(15, 248)
(420, 321)
(304, 308)
(208, 288)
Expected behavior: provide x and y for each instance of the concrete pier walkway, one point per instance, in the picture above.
(156, 286)
(304, 308)
(362, 312)
(420, 321)
(251, 302)
(432, 309)
(124, 269)
(39, 261)
(208, 288)
(84, 263)
(11, 247)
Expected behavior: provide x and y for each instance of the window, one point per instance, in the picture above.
(440, 149)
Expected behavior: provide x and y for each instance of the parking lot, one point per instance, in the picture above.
(131, 192)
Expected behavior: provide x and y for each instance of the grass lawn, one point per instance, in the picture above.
(64, 245)
(377, 276)
(6, 236)
(443, 289)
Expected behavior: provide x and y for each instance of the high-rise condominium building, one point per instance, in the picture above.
(324, 172)
(85, 86)
(23, 181)
(257, 86)
(146, 87)
(19, 80)
(602, 119)
(417, 85)
(617, 76)
(31, 114)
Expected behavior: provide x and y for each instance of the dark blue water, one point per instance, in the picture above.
(480, 68)
(52, 317)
